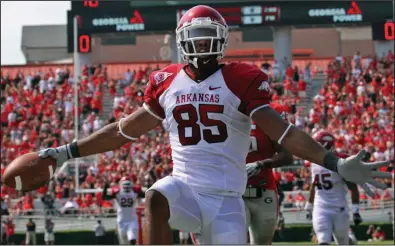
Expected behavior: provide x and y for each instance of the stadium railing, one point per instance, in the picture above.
(87, 219)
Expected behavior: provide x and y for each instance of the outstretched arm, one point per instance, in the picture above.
(116, 134)
(299, 143)
(110, 137)
(296, 141)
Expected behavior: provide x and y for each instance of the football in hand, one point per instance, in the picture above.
(29, 172)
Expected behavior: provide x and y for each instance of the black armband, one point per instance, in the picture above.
(72, 150)
(330, 161)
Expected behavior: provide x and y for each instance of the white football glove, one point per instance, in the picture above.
(309, 209)
(354, 170)
(59, 154)
(253, 169)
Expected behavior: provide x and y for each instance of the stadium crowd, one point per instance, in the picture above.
(355, 103)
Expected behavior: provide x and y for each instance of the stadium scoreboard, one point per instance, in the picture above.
(383, 30)
(95, 16)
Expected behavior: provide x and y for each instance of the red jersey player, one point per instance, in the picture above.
(260, 197)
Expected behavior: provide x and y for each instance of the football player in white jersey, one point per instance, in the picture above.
(207, 109)
(125, 197)
(328, 200)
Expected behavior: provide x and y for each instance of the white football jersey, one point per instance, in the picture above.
(330, 189)
(126, 209)
(208, 122)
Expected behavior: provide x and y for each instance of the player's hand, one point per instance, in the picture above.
(357, 219)
(255, 167)
(59, 154)
(309, 215)
(252, 169)
(354, 170)
(308, 207)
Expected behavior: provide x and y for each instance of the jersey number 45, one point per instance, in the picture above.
(322, 181)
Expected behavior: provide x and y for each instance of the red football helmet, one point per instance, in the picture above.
(326, 139)
(201, 23)
(126, 184)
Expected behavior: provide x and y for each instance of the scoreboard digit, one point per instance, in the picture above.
(84, 43)
(383, 30)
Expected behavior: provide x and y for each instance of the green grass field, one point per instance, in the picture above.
(388, 242)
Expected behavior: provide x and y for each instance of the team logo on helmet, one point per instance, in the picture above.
(264, 86)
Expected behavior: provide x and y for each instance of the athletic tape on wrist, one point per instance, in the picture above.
(72, 150)
(64, 148)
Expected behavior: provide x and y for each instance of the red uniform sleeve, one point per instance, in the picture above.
(151, 100)
(249, 84)
(159, 81)
(114, 190)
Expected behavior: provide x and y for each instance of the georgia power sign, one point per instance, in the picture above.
(352, 14)
(123, 23)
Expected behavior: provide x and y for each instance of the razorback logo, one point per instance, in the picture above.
(264, 86)
(161, 76)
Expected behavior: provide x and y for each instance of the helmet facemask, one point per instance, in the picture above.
(190, 33)
(126, 186)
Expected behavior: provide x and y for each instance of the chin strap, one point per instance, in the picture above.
(194, 62)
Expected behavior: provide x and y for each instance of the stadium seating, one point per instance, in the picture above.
(37, 112)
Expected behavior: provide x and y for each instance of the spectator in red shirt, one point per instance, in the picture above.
(289, 201)
(10, 231)
(386, 196)
(28, 203)
(363, 198)
(300, 200)
(378, 234)
(302, 86)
